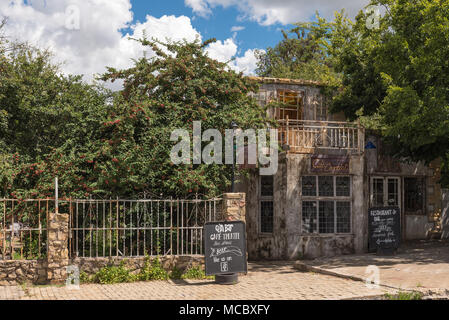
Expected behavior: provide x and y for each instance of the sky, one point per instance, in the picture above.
(86, 36)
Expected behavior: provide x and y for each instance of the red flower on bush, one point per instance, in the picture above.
(115, 160)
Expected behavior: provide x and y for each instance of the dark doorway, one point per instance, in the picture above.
(414, 196)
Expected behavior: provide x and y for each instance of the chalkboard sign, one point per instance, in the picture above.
(384, 228)
(225, 247)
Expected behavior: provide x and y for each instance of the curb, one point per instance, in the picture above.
(301, 266)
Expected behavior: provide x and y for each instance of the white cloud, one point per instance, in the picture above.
(268, 12)
(237, 28)
(224, 51)
(99, 41)
(248, 63)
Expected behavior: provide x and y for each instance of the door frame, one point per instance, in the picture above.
(400, 192)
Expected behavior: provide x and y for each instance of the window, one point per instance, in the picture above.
(326, 186)
(266, 186)
(320, 109)
(309, 186)
(326, 205)
(293, 105)
(414, 196)
(266, 216)
(385, 191)
(326, 216)
(266, 204)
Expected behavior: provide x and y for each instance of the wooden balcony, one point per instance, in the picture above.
(308, 136)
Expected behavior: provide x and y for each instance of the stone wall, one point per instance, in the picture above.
(135, 264)
(23, 271)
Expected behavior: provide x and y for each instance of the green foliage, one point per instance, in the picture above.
(414, 295)
(86, 278)
(181, 84)
(114, 274)
(175, 273)
(107, 145)
(152, 271)
(399, 75)
(196, 273)
(305, 55)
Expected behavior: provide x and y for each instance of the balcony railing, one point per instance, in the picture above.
(305, 136)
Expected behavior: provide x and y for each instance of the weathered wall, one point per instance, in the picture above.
(379, 164)
(266, 246)
(445, 214)
(287, 242)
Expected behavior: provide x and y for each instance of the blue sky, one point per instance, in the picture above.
(88, 36)
(218, 25)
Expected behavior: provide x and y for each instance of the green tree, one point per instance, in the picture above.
(178, 85)
(399, 75)
(303, 53)
(41, 111)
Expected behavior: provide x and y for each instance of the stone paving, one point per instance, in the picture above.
(420, 265)
(265, 281)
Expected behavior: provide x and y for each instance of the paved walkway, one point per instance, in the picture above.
(418, 265)
(265, 281)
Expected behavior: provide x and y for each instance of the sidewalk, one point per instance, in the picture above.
(265, 281)
(422, 266)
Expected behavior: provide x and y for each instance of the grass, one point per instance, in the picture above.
(413, 295)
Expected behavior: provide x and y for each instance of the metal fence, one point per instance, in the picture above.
(23, 228)
(132, 228)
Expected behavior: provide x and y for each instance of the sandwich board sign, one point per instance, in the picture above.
(225, 247)
(384, 228)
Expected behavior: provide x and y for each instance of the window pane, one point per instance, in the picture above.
(326, 186)
(414, 196)
(326, 216)
(309, 186)
(343, 217)
(343, 186)
(393, 192)
(378, 192)
(266, 216)
(309, 216)
(266, 186)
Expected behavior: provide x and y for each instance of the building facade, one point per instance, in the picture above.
(330, 173)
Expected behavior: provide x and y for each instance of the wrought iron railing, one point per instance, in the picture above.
(23, 228)
(133, 228)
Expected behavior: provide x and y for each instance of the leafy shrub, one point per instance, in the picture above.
(176, 273)
(196, 273)
(114, 274)
(152, 271)
(85, 278)
(405, 296)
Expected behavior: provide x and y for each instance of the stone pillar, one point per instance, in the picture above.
(234, 207)
(57, 249)
(445, 214)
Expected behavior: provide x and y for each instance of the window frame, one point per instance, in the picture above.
(264, 199)
(335, 199)
(385, 190)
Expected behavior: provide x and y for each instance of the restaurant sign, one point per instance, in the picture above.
(330, 164)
